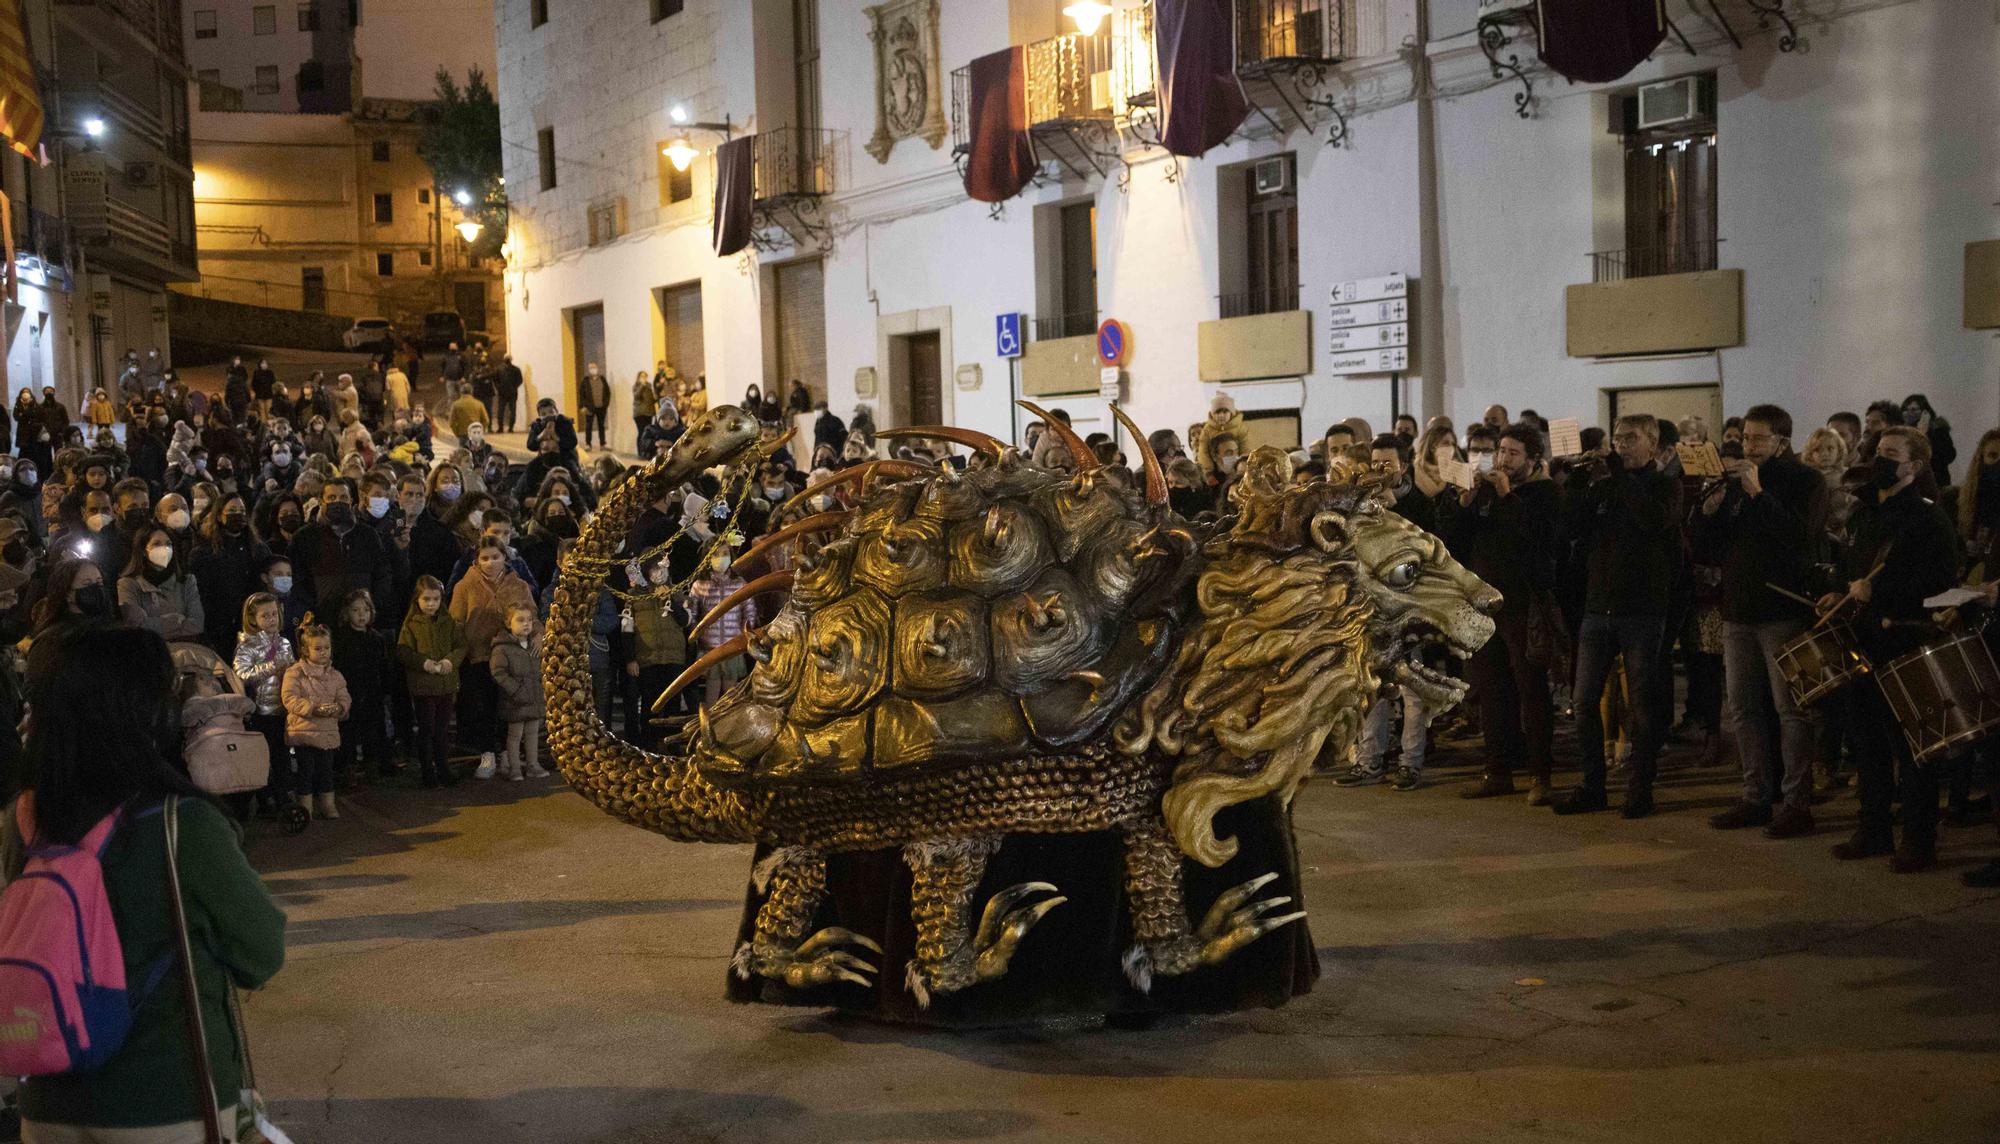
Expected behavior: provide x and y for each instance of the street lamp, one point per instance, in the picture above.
(94, 127)
(680, 153)
(462, 197)
(1088, 14)
(469, 230)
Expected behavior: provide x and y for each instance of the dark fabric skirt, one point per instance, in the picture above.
(1071, 964)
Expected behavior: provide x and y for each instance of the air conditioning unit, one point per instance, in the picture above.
(1675, 101)
(142, 174)
(1270, 176)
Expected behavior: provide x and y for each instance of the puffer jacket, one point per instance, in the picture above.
(261, 660)
(482, 606)
(517, 672)
(308, 687)
(426, 638)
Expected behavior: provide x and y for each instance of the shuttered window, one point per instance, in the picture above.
(680, 316)
(795, 315)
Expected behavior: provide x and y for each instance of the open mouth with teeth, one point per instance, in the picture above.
(1403, 662)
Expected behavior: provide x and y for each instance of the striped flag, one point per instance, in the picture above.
(20, 97)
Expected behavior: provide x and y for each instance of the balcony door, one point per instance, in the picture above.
(1271, 232)
(921, 380)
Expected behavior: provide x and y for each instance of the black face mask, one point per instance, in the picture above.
(1186, 502)
(1989, 479)
(232, 524)
(136, 517)
(339, 515)
(93, 601)
(563, 527)
(288, 522)
(1885, 472)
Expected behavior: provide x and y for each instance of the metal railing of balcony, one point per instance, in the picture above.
(789, 162)
(1069, 78)
(1652, 261)
(1076, 324)
(1263, 300)
(1290, 30)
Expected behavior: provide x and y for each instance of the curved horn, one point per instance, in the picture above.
(817, 522)
(1156, 481)
(780, 441)
(860, 472)
(769, 582)
(972, 439)
(699, 668)
(1086, 461)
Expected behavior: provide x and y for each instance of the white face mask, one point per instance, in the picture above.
(477, 517)
(1482, 461)
(281, 458)
(200, 505)
(281, 584)
(378, 507)
(160, 555)
(564, 498)
(177, 519)
(98, 521)
(1227, 462)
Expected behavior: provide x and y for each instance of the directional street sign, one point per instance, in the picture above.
(1368, 337)
(1367, 313)
(1370, 289)
(1369, 361)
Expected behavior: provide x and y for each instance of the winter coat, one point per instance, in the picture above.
(309, 687)
(645, 400)
(517, 673)
(362, 659)
(396, 389)
(426, 638)
(171, 608)
(482, 604)
(261, 660)
(225, 574)
(657, 636)
(465, 411)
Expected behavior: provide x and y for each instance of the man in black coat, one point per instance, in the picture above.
(548, 421)
(1760, 524)
(334, 555)
(1624, 516)
(1902, 550)
(1502, 530)
(507, 381)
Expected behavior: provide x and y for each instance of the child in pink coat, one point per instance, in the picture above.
(316, 700)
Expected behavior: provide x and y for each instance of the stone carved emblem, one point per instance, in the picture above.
(909, 93)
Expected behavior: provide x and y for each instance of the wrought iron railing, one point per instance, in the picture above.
(1652, 261)
(789, 162)
(1075, 324)
(1285, 30)
(1076, 77)
(1263, 300)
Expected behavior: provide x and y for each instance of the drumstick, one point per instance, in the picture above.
(1881, 563)
(1790, 595)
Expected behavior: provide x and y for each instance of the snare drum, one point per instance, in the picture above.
(1945, 695)
(1821, 662)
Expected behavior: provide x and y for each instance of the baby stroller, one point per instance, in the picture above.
(224, 757)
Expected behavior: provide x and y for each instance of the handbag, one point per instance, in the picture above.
(253, 1125)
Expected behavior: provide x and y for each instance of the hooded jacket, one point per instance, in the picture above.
(307, 688)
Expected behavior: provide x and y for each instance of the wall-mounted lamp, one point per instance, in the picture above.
(1088, 14)
(469, 230)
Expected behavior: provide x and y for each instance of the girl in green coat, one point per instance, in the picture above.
(430, 648)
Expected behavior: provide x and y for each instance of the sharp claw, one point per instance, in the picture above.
(999, 908)
(994, 956)
(1227, 903)
(854, 978)
(845, 960)
(831, 936)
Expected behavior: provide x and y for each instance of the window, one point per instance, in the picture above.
(665, 8)
(423, 258)
(538, 13)
(209, 75)
(545, 155)
(264, 20)
(1066, 262)
(385, 264)
(312, 76)
(675, 186)
(379, 151)
(1270, 238)
(605, 222)
(1670, 192)
(385, 207)
(204, 23)
(309, 17)
(267, 79)
(805, 64)
(423, 196)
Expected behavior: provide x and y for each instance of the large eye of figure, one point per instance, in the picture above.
(1403, 575)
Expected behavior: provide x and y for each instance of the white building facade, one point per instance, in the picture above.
(1822, 201)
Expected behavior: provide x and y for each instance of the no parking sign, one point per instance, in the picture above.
(1114, 342)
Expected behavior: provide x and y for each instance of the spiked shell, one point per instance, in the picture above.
(957, 618)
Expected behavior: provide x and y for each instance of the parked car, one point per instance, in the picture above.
(369, 334)
(440, 328)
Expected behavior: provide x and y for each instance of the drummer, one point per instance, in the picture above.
(1903, 551)
(1986, 754)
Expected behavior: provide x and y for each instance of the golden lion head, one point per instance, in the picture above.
(1312, 602)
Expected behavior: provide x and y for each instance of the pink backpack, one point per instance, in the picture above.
(63, 1003)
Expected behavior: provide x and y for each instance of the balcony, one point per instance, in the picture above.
(44, 245)
(155, 22)
(122, 234)
(1080, 91)
(1285, 54)
(1261, 334)
(1078, 324)
(1655, 301)
(1653, 261)
(792, 170)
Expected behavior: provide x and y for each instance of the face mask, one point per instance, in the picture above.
(178, 519)
(200, 505)
(722, 564)
(1483, 462)
(477, 517)
(1887, 472)
(565, 527)
(160, 555)
(659, 575)
(281, 458)
(1989, 478)
(564, 498)
(288, 522)
(1227, 462)
(282, 585)
(93, 601)
(98, 521)
(339, 515)
(776, 494)
(378, 507)
(27, 478)
(492, 569)
(233, 522)
(475, 436)
(450, 493)
(1912, 416)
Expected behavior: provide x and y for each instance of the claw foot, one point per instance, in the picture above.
(818, 960)
(1237, 918)
(1002, 925)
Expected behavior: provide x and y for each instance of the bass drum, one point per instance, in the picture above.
(1821, 662)
(1945, 695)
